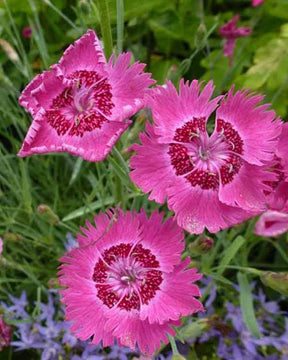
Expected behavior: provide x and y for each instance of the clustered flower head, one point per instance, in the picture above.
(210, 180)
(126, 281)
(82, 104)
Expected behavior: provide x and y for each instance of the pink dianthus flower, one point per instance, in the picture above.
(274, 221)
(212, 181)
(126, 281)
(230, 32)
(82, 104)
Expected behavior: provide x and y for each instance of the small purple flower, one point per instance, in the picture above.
(70, 243)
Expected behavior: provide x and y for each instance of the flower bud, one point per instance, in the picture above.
(27, 32)
(276, 281)
(173, 73)
(201, 37)
(194, 329)
(9, 50)
(5, 333)
(84, 6)
(201, 246)
(53, 283)
(12, 237)
(47, 213)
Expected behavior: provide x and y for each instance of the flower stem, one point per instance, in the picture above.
(105, 27)
(173, 345)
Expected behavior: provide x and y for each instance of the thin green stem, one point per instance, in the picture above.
(173, 345)
(64, 17)
(105, 27)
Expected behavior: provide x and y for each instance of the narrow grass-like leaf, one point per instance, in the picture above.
(230, 252)
(220, 278)
(26, 191)
(120, 25)
(83, 210)
(122, 171)
(64, 17)
(76, 170)
(246, 303)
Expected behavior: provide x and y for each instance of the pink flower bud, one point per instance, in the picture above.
(27, 32)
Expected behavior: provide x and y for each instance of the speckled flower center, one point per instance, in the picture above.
(127, 276)
(83, 106)
(206, 161)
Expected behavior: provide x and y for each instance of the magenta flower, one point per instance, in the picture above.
(27, 32)
(82, 104)
(212, 181)
(257, 2)
(230, 33)
(126, 281)
(5, 333)
(275, 221)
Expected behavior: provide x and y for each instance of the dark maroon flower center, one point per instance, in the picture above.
(127, 276)
(206, 161)
(83, 106)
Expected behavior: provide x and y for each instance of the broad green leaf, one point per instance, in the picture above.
(270, 63)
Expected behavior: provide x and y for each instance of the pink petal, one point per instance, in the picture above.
(171, 111)
(247, 188)
(154, 236)
(282, 149)
(27, 99)
(85, 54)
(93, 146)
(228, 29)
(92, 234)
(50, 87)
(272, 223)
(152, 170)
(229, 47)
(176, 297)
(278, 199)
(130, 330)
(129, 84)
(255, 125)
(196, 209)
